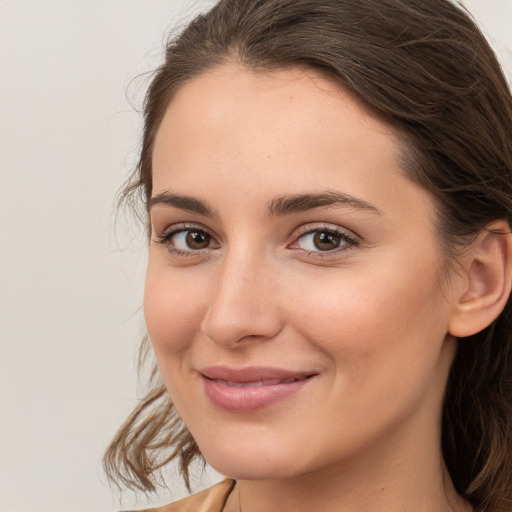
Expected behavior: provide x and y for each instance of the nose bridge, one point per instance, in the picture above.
(243, 304)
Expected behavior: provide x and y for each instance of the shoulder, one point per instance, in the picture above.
(212, 499)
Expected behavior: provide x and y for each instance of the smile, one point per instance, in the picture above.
(267, 382)
(250, 389)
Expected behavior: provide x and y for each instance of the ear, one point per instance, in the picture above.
(485, 286)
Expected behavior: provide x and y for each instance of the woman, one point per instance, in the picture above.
(328, 187)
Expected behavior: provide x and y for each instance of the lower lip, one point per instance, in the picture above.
(249, 398)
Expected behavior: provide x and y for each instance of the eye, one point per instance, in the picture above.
(191, 239)
(323, 240)
(187, 240)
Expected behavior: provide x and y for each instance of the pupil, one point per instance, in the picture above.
(198, 240)
(326, 241)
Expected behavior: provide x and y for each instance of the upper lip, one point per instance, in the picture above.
(252, 373)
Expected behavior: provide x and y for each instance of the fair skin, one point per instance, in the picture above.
(345, 289)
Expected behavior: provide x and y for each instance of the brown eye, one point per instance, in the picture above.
(326, 241)
(188, 240)
(197, 239)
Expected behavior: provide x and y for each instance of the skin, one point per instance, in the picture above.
(369, 318)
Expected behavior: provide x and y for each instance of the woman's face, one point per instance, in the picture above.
(293, 292)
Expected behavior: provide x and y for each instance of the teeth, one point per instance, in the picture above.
(244, 384)
(266, 382)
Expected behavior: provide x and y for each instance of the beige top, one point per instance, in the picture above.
(209, 500)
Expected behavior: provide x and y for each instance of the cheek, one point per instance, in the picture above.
(374, 323)
(173, 310)
(383, 343)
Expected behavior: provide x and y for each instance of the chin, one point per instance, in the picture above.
(252, 462)
(253, 470)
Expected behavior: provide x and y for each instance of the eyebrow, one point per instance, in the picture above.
(296, 203)
(187, 203)
(279, 206)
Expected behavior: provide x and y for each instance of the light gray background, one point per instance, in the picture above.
(70, 291)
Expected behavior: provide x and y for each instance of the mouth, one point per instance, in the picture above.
(250, 389)
(257, 383)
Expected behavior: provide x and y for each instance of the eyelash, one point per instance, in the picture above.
(165, 239)
(349, 241)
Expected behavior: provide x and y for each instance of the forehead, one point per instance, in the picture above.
(230, 104)
(262, 134)
(234, 95)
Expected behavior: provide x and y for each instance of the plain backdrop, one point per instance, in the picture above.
(70, 285)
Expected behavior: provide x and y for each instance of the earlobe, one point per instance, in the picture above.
(487, 283)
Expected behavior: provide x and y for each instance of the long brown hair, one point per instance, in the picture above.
(424, 66)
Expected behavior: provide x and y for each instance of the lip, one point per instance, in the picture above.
(252, 388)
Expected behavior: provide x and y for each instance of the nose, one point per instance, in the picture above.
(244, 304)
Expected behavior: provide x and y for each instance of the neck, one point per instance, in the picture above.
(287, 497)
(395, 477)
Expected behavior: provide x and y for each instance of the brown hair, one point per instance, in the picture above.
(425, 67)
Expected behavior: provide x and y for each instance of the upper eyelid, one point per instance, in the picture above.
(327, 226)
(183, 226)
